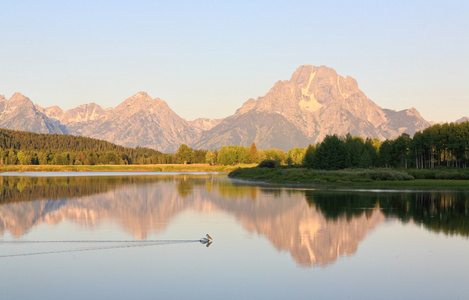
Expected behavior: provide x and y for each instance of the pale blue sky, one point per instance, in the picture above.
(205, 58)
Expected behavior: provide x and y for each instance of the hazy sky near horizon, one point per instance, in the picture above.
(206, 58)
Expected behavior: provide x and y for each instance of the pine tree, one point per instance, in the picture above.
(253, 153)
(308, 160)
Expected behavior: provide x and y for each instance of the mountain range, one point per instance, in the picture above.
(315, 102)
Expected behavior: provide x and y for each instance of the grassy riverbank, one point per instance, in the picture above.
(121, 168)
(352, 178)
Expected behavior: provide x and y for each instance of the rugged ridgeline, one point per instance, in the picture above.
(315, 102)
(21, 114)
(138, 121)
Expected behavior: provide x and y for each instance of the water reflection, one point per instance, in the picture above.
(315, 227)
(444, 212)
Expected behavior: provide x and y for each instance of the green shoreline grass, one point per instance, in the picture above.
(346, 179)
(120, 168)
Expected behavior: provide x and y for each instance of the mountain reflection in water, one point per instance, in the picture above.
(315, 227)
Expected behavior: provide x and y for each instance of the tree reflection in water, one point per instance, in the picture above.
(315, 227)
(446, 212)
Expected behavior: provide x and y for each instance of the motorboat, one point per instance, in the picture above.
(206, 239)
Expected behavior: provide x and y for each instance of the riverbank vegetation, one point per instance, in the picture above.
(20, 148)
(351, 178)
(303, 175)
(439, 146)
(439, 152)
(444, 145)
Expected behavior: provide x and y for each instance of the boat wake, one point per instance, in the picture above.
(23, 248)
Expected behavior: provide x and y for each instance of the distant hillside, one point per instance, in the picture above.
(37, 142)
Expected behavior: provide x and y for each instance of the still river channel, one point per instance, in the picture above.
(95, 236)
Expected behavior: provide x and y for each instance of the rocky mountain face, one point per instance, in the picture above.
(53, 112)
(315, 102)
(19, 113)
(203, 124)
(143, 121)
(138, 121)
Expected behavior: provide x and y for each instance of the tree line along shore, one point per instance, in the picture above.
(435, 147)
(438, 152)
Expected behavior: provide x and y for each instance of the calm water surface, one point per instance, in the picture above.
(136, 237)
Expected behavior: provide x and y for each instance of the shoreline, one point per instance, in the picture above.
(118, 168)
(350, 180)
(380, 186)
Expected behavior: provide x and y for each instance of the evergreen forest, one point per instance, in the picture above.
(439, 145)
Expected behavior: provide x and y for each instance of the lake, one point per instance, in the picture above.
(95, 236)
